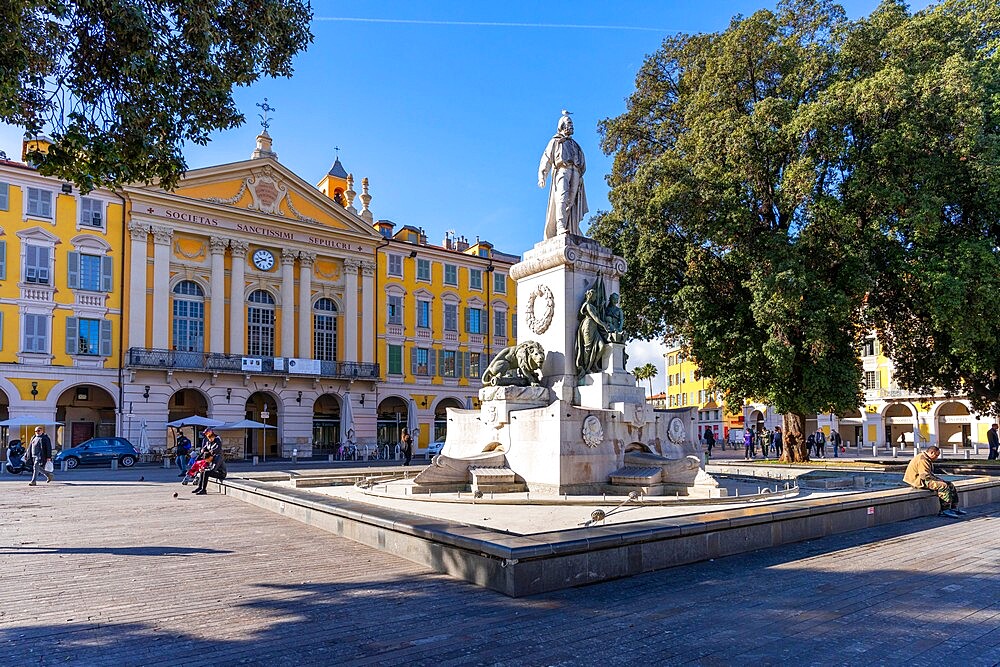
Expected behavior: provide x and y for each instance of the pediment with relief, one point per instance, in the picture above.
(269, 189)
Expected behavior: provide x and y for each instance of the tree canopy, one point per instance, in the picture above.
(772, 192)
(121, 85)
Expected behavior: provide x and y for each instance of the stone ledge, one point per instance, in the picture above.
(526, 564)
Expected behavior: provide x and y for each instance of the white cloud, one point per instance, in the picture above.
(641, 352)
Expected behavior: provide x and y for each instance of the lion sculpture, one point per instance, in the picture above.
(519, 365)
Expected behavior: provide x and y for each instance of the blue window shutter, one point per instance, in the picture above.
(73, 270)
(468, 320)
(72, 335)
(107, 274)
(413, 361)
(105, 338)
(3, 260)
(431, 359)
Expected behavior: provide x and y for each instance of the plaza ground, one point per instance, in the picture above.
(101, 567)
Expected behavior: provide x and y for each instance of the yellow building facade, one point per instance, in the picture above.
(448, 309)
(686, 387)
(60, 304)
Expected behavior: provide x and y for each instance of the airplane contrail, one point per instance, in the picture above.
(490, 24)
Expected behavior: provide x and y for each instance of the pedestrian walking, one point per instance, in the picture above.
(709, 440)
(40, 449)
(407, 446)
(836, 441)
(920, 475)
(811, 445)
(820, 443)
(994, 443)
(776, 442)
(748, 449)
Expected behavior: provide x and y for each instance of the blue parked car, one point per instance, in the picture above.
(99, 451)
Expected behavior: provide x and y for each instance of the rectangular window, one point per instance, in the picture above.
(395, 309)
(448, 363)
(475, 321)
(91, 212)
(451, 317)
(395, 266)
(395, 360)
(499, 323)
(36, 333)
(88, 336)
(474, 365)
(36, 265)
(420, 359)
(90, 272)
(871, 380)
(450, 274)
(424, 314)
(869, 349)
(475, 279)
(499, 283)
(4, 196)
(39, 203)
(424, 270)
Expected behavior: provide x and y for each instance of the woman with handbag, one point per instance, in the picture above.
(41, 456)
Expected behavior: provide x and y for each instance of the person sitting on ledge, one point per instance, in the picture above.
(920, 475)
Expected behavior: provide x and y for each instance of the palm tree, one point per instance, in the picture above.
(645, 372)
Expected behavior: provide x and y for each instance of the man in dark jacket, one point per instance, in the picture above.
(836, 441)
(407, 446)
(216, 464)
(41, 451)
(709, 440)
(994, 443)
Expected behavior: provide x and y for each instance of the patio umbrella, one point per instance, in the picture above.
(411, 417)
(143, 438)
(195, 420)
(346, 418)
(244, 424)
(27, 420)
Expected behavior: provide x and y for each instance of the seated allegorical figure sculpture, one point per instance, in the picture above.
(614, 319)
(591, 335)
(518, 365)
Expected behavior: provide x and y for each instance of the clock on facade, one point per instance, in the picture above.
(263, 260)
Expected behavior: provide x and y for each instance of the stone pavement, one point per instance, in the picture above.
(100, 568)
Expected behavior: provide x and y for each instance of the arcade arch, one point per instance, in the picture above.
(441, 417)
(86, 411)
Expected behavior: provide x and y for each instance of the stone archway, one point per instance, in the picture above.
(86, 411)
(953, 424)
(326, 431)
(900, 422)
(850, 425)
(392, 414)
(441, 417)
(262, 407)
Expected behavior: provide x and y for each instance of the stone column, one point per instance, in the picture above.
(350, 321)
(368, 310)
(161, 287)
(138, 231)
(288, 302)
(237, 311)
(306, 260)
(217, 307)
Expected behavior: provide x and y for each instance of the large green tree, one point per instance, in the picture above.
(783, 186)
(122, 85)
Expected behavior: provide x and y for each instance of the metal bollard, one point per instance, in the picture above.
(255, 460)
(63, 466)
(954, 448)
(166, 463)
(895, 452)
(114, 464)
(875, 450)
(330, 458)
(967, 452)
(295, 456)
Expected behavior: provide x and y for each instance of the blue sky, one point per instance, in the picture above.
(446, 106)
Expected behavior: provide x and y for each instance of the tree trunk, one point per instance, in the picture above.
(793, 439)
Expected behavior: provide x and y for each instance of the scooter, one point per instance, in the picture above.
(17, 462)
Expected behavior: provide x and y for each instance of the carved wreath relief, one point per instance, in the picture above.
(593, 432)
(539, 322)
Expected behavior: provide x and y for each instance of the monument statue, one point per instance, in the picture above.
(518, 365)
(567, 198)
(592, 332)
(614, 319)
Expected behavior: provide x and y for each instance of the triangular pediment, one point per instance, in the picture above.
(264, 186)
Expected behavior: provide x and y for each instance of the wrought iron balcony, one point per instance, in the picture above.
(140, 357)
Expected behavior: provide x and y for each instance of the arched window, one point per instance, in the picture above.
(189, 317)
(260, 320)
(325, 330)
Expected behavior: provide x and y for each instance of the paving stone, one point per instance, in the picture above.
(101, 569)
